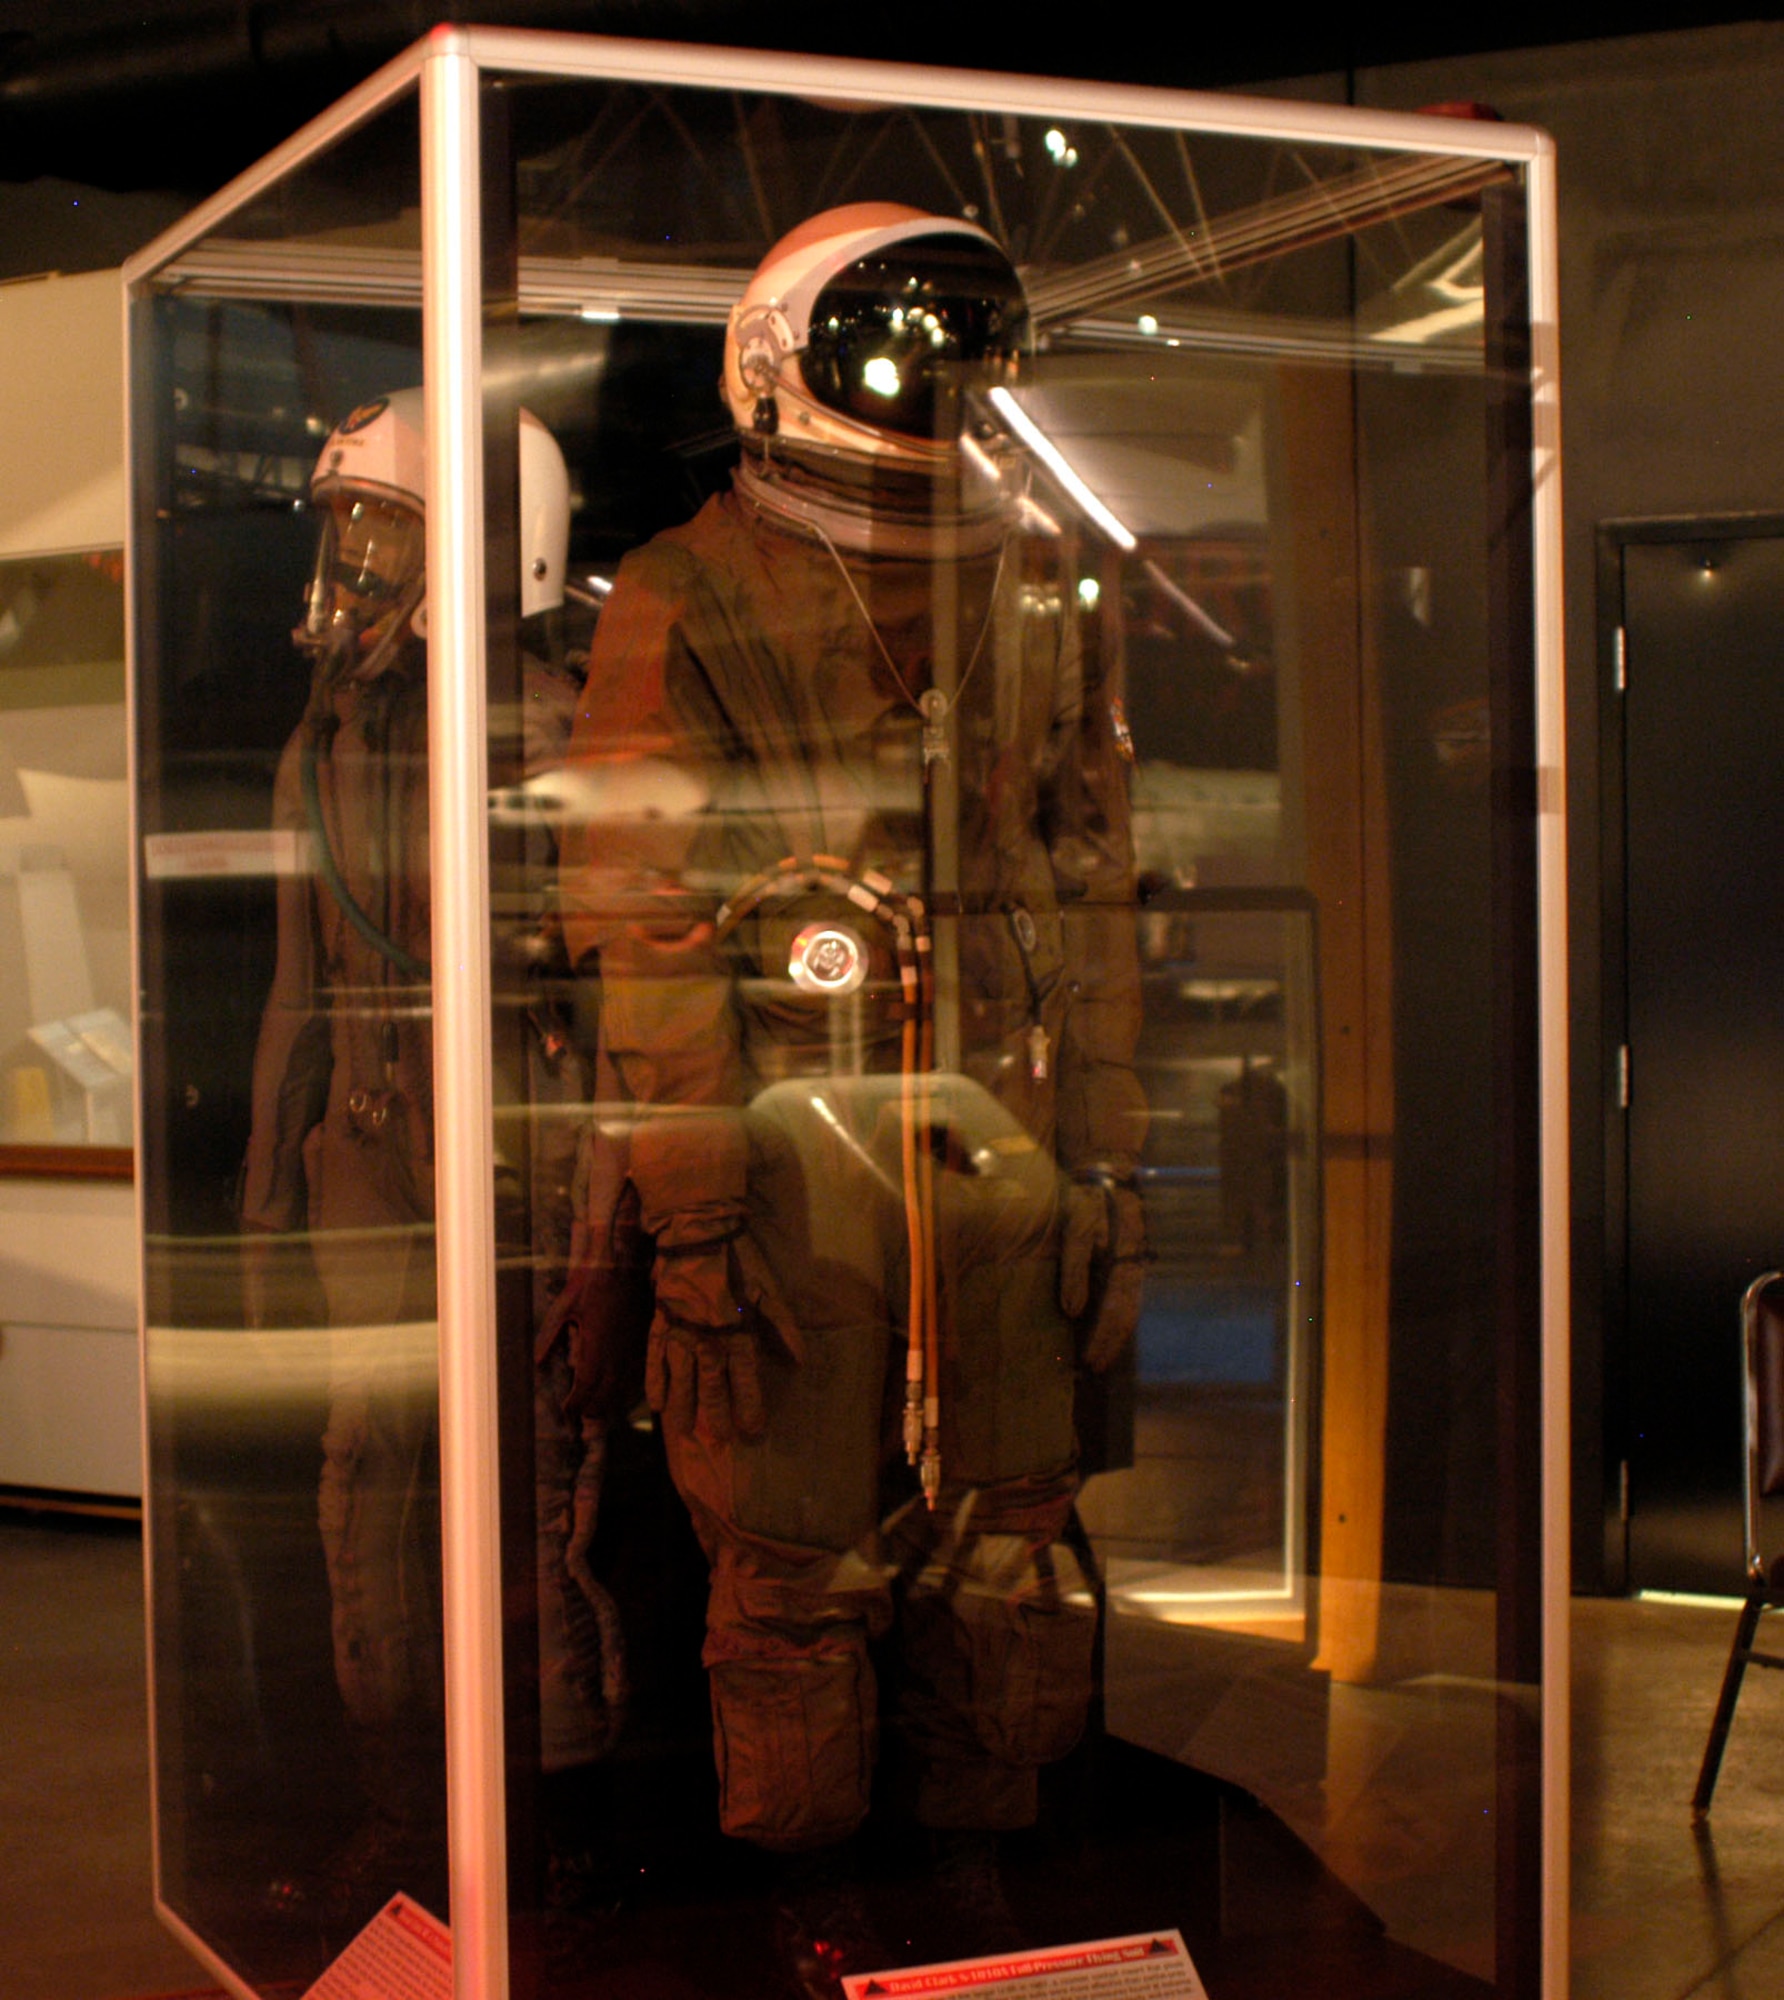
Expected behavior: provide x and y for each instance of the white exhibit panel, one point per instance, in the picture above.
(70, 1412)
(851, 1049)
(61, 420)
(65, 1037)
(64, 801)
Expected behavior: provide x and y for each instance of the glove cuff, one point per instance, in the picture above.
(690, 1168)
(682, 1242)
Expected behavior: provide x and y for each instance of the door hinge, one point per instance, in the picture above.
(1623, 1076)
(1620, 660)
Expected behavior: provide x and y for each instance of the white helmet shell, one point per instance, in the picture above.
(770, 329)
(544, 518)
(381, 449)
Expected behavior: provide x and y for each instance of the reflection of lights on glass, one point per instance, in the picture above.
(979, 458)
(1060, 150)
(881, 376)
(1147, 324)
(600, 316)
(848, 1138)
(1702, 1599)
(1054, 460)
(1191, 609)
(1089, 590)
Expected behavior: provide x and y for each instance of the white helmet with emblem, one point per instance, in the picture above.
(371, 478)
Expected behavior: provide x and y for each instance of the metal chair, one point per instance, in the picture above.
(1762, 1345)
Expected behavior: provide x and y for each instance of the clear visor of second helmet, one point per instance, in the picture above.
(374, 548)
(898, 335)
(371, 551)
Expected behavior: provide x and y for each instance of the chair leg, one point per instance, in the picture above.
(1744, 1634)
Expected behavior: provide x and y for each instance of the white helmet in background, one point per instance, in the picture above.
(544, 518)
(369, 586)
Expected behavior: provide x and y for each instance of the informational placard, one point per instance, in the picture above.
(225, 851)
(1154, 1965)
(404, 1953)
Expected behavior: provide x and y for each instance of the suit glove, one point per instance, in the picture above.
(716, 1301)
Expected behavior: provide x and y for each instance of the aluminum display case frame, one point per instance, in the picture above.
(447, 69)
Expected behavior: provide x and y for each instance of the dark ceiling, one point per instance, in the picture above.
(177, 95)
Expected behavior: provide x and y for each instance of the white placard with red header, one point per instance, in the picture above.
(404, 1953)
(1153, 1965)
(226, 851)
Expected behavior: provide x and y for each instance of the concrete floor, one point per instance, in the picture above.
(1661, 1911)
(75, 1894)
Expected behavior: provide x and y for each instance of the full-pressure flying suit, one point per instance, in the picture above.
(753, 717)
(341, 1147)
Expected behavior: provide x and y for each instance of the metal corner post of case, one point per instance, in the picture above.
(464, 1165)
(1556, 1391)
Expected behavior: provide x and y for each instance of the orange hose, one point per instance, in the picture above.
(913, 1213)
(932, 1337)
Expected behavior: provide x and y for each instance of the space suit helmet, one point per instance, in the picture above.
(370, 483)
(860, 328)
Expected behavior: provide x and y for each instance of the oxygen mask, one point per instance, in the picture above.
(367, 584)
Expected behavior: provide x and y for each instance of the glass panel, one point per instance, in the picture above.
(287, 1143)
(64, 844)
(1002, 924)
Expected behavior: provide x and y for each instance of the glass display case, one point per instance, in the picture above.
(852, 1041)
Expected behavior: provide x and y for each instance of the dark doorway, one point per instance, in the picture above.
(1700, 1079)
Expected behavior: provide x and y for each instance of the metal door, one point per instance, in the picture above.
(1703, 1074)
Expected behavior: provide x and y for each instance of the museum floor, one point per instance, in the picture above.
(1660, 1913)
